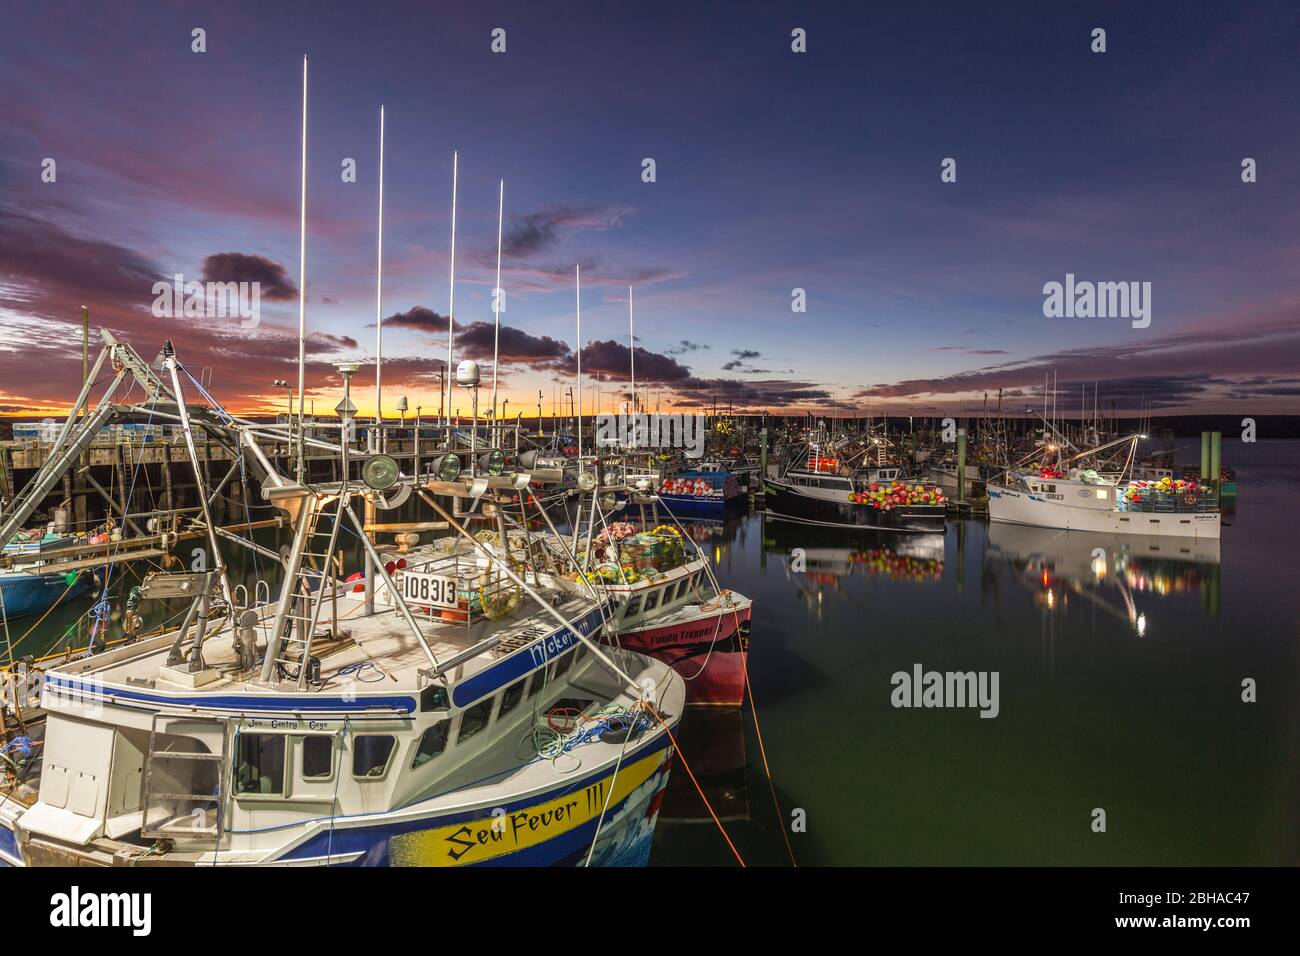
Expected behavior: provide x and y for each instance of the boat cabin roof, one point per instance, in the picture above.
(376, 662)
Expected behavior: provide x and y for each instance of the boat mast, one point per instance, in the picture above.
(577, 294)
(631, 345)
(379, 293)
(451, 307)
(302, 279)
(496, 311)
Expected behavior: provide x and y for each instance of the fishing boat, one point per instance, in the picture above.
(1074, 498)
(700, 492)
(669, 605)
(820, 489)
(288, 734)
(25, 593)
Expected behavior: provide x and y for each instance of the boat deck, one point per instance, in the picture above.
(367, 645)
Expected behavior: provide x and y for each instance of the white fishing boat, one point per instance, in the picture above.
(290, 734)
(1074, 498)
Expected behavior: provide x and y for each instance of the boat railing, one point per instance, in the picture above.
(481, 590)
(1199, 503)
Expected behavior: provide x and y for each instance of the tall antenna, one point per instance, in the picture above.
(302, 277)
(496, 306)
(577, 292)
(631, 346)
(379, 285)
(451, 308)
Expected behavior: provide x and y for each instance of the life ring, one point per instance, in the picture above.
(666, 529)
(1190, 500)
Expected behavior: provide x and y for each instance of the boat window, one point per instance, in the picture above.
(511, 698)
(539, 678)
(681, 588)
(370, 753)
(652, 600)
(317, 757)
(433, 697)
(432, 742)
(563, 664)
(259, 764)
(633, 606)
(474, 719)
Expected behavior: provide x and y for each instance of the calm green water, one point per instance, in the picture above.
(1121, 692)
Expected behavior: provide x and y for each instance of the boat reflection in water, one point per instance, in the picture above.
(817, 558)
(718, 760)
(1111, 571)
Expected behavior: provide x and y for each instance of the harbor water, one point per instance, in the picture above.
(1120, 676)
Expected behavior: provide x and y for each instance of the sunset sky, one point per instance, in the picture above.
(775, 171)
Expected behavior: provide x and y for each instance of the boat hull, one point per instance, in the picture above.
(1013, 506)
(700, 506)
(476, 838)
(28, 594)
(707, 651)
(785, 501)
(555, 828)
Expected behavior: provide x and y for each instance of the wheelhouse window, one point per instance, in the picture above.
(682, 587)
(511, 698)
(432, 742)
(371, 753)
(539, 678)
(259, 764)
(433, 697)
(633, 606)
(317, 757)
(652, 600)
(563, 664)
(474, 719)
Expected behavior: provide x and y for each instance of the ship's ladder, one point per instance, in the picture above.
(307, 578)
